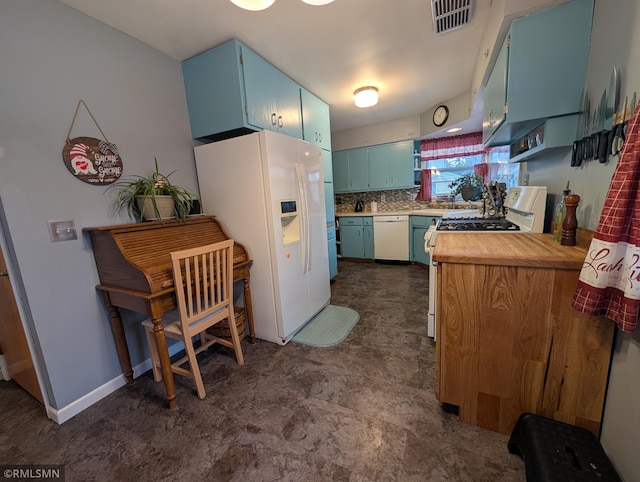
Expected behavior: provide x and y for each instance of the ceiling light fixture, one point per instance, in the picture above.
(256, 5)
(454, 129)
(366, 96)
(253, 5)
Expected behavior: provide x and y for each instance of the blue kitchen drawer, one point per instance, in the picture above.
(351, 221)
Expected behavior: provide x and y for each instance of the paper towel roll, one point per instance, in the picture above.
(374, 207)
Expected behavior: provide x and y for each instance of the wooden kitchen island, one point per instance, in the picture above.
(508, 340)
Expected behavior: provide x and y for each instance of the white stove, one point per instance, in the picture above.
(525, 208)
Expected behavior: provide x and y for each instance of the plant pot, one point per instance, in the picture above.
(469, 193)
(164, 204)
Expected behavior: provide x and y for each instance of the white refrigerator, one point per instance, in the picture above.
(267, 189)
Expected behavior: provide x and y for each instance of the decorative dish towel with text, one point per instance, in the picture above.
(609, 282)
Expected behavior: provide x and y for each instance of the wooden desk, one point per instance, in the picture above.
(135, 273)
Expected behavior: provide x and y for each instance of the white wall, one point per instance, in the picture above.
(380, 133)
(615, 42)
(51, 56)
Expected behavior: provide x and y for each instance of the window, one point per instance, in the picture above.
(451, 158)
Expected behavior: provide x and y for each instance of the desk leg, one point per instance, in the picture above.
(165, 362)
(249, 307)
(121, 341)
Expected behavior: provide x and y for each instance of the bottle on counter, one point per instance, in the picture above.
(559, 215)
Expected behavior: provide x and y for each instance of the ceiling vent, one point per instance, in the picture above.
(449, 15)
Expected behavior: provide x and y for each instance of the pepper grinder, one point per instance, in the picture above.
(570, 223)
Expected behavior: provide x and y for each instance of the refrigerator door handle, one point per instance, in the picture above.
(304, 218)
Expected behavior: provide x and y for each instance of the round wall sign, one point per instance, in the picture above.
(92, 160)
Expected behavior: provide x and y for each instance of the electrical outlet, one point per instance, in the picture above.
(62, 230)
(383, 198)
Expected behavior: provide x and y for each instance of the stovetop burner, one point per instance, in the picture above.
(476, 224)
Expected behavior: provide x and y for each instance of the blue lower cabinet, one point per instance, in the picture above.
(419, 226)
(369, 252)
(331, 229)
(333, 252)
(356, 237)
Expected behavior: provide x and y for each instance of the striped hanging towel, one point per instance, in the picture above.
(609, 282)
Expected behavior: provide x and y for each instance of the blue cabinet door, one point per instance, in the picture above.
(316, 125)
(351, 241)
(214, 88)
(327, 165)
(273, 99)
(379, 166)
(288, 109)
(418, 254)
(419, 226)
(401, 164)
(547, 72)
(495, 94)
(538, 76)
(369, 246)
(333, 252)
(340, 164)
(329, 204)
(259, 77)
(358, 170)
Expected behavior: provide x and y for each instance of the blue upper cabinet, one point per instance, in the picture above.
(543, 66)
(273, 99)
(316, 124)
(385, 166)
(401, 164)
(495, 94)
(233, 91)
(340, 164)
(327, 166)
(214, 85)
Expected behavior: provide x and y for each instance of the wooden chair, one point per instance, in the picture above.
(203, 278)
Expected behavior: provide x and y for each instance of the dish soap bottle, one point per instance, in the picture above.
(559, 214)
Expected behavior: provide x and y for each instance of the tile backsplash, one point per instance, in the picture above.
(392, 200)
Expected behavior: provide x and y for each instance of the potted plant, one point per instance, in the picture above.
(152, 197)
(468, 186)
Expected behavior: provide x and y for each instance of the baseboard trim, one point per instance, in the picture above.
(74, 408)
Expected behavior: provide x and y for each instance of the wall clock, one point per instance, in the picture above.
(440, 115)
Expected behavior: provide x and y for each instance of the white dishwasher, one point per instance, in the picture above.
(391, 237)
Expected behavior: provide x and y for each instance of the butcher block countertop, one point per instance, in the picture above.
(507, 249)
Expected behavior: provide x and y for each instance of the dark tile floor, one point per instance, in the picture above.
(363, 410)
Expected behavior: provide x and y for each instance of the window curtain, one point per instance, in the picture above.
(489, 171)
(425, 186)
(482, 170)
(455, 146)
(494, 172)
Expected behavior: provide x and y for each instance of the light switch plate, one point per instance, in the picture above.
(62, 230)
